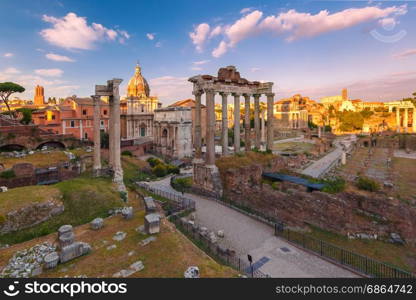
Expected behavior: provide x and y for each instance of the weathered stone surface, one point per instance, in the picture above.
(74, 250)
(119, 236)
(3, 189)
(191, 272)
(147, 240)
(152, 223)
(220, 233)
(51, 260)
(149, 205)
(27, 262)
(97, 224)
(133, 268)
(111, 247)
(31, 215)
(127, 212)
(346, 212)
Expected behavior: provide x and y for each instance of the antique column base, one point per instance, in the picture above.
(118, 180)
(96, 172)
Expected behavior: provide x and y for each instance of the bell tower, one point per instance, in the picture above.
(39, 96)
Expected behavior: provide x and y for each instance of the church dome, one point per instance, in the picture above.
(138, 86)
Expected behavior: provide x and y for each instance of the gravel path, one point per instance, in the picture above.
(248, 236)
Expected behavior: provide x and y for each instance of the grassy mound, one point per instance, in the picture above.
(17, 198)
(241, 160)
(84, 199)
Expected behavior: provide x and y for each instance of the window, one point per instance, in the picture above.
(102, 123)
(143, 131)
(53, 117)
(86, 136)
(105, 112)
(84, 112)
(142, 108)
(72, 123)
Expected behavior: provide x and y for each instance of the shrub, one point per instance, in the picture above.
(171, 169)
(153, 161)
(182, 184)
(367, 184)
(159, 170)
(7, 174)
(334, 186)
(127, 153)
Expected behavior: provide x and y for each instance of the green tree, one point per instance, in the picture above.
(27, 115)
(7, 89)
(350, 120)
(182, 184)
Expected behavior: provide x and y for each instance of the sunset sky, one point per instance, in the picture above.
(314, 48)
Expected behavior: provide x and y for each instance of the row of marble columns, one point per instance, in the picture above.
(405, 119)
(210, 126)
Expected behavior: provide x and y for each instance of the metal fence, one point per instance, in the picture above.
(177, 202)
(224, 256)
(357, 262)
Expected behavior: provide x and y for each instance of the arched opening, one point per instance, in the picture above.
(164, 137)
(142, 129)
(52, 144)
(12, 147)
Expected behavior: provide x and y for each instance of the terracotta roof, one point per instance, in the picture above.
(185, 103)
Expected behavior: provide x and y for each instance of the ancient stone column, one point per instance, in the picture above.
(398, 119)
(210, 128)
(257, 120)
(247, 126)
(270, 118)
(97, 136)
(263, 131)
(224, 128)
(198, 135)
(111, 133)
(115, 99)
(406, 120)
(414, 120)
(319, 131)
(236, 123)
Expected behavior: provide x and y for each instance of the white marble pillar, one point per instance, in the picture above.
(198, 135)
(118, 171)
(263, 129)
(414, 120)
(210, 128)
(398, 119)
(224, 128)
(236, 123)
(257, 120)
(406, 120)
(111, 133)
(270, 119)
(247, 127)
(97, 136)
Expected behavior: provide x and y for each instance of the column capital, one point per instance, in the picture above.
(247, 95)
(226, 94)
(197, 93)
(256, 96)
(95, 98)
(236, 94)
(269, 94)
(209, 91)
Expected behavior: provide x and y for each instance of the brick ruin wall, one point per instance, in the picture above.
(342, 213)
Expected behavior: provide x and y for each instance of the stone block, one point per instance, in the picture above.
(220, 233)
(97, 224)
(152, 223)
(191, 272)
(119, 236)
(3, 189)
(127, 212)
(149, 205)
(73, 251)
(51, 260)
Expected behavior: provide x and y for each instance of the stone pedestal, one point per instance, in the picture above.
(343, 158)
(152, 223)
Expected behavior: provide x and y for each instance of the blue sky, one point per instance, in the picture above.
(315, 48)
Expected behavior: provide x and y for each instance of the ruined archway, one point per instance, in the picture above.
(12, 147)
(51, 144)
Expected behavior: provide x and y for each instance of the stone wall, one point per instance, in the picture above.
(30, 215)
(341, 213)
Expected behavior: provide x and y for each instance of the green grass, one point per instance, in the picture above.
(20, 197)
(84, 199)
(395, 255)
